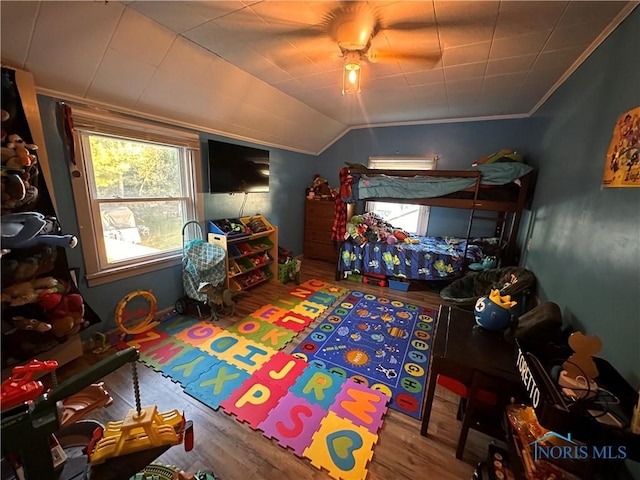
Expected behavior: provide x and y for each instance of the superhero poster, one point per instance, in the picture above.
(622, 168)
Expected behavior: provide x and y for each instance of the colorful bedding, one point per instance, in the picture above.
(433, 258)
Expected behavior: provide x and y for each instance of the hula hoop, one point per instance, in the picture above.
(148, 322)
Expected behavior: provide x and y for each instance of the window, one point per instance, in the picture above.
(134, 184)
(408, 217)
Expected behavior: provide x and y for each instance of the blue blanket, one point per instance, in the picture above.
(386, 186)
(433, 258)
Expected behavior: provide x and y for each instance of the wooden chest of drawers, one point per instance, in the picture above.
(318, 220)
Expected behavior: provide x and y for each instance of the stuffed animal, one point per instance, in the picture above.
(18, 165)
(320, 187)
(16, 153)
(27, 229)
(28, 292)
(65, 312)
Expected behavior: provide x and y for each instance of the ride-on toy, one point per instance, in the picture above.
(145, 433)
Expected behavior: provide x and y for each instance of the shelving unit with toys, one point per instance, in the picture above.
(251, 244)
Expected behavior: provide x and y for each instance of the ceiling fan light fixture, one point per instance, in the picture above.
(351, 74)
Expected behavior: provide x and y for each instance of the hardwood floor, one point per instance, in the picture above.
(233, 451)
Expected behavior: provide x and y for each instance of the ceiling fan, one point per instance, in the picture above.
(356, 28)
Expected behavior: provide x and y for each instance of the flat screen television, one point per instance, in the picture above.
(236, 168)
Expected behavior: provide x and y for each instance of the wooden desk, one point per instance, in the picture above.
(461, 347)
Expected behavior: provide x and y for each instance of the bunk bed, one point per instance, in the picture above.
(502, 188)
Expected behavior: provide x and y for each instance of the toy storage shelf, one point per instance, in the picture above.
(250, 255)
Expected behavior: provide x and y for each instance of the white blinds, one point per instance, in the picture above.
(96, 120)
(403, 163)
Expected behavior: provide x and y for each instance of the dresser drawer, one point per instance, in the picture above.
(320, 251)
(319, 223)
(317, 236)
(319, 209)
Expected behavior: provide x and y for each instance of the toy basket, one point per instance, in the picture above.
(290, 271)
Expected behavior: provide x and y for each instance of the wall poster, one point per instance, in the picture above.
(622, 168)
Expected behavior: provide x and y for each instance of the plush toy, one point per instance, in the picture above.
(400, 235)
(21, 268)
(18, 163)
(27, 229)
(320, 187)
(65, 312)
(504, 155)
(18, 152)
(29, 292)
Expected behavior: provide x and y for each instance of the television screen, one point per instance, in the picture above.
(235, 168)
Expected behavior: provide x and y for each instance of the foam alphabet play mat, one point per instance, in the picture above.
(378, 342)
(324, 416)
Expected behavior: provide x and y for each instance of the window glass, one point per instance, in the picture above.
(408, 217)
(134, 192)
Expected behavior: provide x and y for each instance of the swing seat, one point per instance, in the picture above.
(137, 432)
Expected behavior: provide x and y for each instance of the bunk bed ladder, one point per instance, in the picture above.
(500, 229)
(472, 215)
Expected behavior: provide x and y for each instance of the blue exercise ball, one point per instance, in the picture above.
(490, 315)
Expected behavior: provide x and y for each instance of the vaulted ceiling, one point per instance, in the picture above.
(271, 72)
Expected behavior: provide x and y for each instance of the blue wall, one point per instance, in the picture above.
(585, 240)
(457, 145)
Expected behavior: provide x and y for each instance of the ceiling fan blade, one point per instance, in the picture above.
(429, 59)
(407, 26)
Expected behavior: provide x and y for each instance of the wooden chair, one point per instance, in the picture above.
(484, 407)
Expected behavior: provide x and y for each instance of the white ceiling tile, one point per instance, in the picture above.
(15, 37)
(558, 60)
(510, 65)
(431, 94)
(473, 85)
(183, 15)
(517, 45)
(176, 17)
(187, 60)
(250, 25)
(394, 13)
(120, 79)
(286, 16)
(465, 13)
(57, 80)
(215, 39)
(425, 77)
(502, 86)
(142, 38)
(87, 28)
(581, 35)
(464, 72)
(466, 54)
(382, 69)
(596, 12)
(528, 17)
(385, 84)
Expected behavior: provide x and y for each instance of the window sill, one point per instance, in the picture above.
(128, 271)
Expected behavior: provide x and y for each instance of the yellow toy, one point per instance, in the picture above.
(124, 318)
(140, 430)
(502, 301)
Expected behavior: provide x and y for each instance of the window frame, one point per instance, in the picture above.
(406, 163)
(92, 121)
